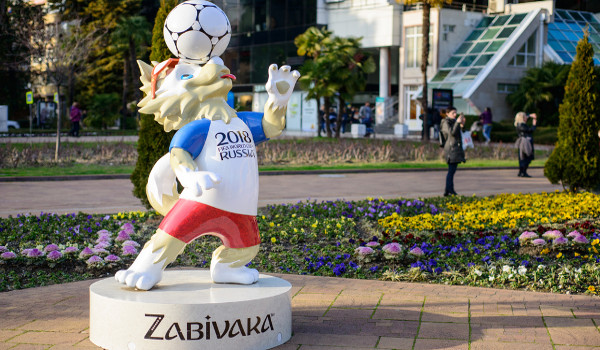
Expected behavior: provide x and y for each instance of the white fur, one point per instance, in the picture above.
(143, 273)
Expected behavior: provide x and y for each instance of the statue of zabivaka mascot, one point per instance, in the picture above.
(213, 153)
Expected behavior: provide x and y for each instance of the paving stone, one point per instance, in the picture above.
(438, 344)
(29, 347)
(430, 330)
(395, 343)
(397, 313)
(488, 345)
(571, 331)
(555, 311)
(6, 334)
(348, 300)
(334, 340)
(49, 338)
(59, 324)
(339, 313)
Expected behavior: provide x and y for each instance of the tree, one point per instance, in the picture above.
(130, 34)
(338, 67)
(575, 161)
(153, 141)
(427, 5)
(541, 91)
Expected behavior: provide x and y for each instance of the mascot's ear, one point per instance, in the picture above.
(159, 68)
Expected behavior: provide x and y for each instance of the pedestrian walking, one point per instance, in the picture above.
(75, 117)
(524, 142)
(453, 149)
(486, 120)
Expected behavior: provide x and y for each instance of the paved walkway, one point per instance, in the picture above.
(110, 196)
(335, 313)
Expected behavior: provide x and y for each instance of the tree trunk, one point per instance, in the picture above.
(327, 106)
(58, 107)
(319, 118)
(339, 118)
(134, 71)
(424, 63)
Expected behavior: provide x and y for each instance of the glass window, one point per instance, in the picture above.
(414, 46)
(490, 33)
(525, 57)
(588, 17)
(472, 73)
(565, 57)
(577, 16)
(494, 46)
(477, 48)
(555, 45)
(452, 61)
(464, 48)
(440, 75)
(483, 60)
(475, 34)
(485, 22)
(467, 61)
(507, 88)
(506, 32)
(500, 20)
(518, 18)
(456, 74)
(555, 34)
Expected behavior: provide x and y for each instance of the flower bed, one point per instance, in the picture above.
(546, 242)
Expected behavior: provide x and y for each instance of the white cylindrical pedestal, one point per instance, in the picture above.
(186, 310)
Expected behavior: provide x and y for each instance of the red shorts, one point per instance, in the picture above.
(188, 220)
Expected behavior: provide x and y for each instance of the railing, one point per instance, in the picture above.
(454, 5)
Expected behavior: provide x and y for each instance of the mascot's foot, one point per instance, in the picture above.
(143, 273)
(223, 273)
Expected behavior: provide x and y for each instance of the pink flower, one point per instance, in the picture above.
(87, 251)
(99, 251)
(129, 250)
(131, 243)
(24, 252)
(573, 234)
(580, 239)
(528, 235)
(94, 260)
(552, 234)
(103, 233)
(539, 242)
(364, 251)
(54, 255)
(392, 248)
(112, 258)
(3, 249)
(69, 250)
(8, 255)
(123, 236)
(50, 248)
(102, 245)
(34, 253)
(103, 239)
(417, 251)
(372, 244)
(127, 227)
(560, 240)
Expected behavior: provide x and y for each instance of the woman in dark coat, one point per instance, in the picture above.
(451, 129)
(525, 141)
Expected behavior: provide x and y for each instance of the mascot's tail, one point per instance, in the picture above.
(161, 189)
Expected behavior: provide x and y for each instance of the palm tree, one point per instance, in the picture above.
(130, 34)
(427, 5)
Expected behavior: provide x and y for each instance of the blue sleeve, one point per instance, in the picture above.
(191, 137)
(254, 122)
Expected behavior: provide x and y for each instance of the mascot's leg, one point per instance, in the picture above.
(227, 265)
(146, 270)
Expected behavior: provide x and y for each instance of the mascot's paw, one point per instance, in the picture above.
(143, 273)
(281, 84)
(197, 181)
(222, 273)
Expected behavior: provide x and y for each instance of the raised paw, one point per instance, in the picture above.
(281, 84)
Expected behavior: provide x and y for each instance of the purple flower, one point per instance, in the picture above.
(8, 255)
(539, 242)
(580, 239)
(131, 243)
(34, 253)
(129, 250)
(50, 248)
(392, 248)
(94, 260)
(87, 251)
(552, 234)
(128, 228)
(103, 233)
(372, 244)
(560, 240)
(99, 251)
(573, 234)
(362, 251)
(3, 249)
(123, 236)
(102, 245)
(69, 250)
(54, 255)
(528, 235)
(417, 251)
(103, 239)
(112, 258)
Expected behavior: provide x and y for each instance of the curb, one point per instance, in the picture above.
(261, 173)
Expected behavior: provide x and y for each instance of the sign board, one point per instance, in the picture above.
(56, 97)
(442, 99)
(379, 110)
(309, 114)
(294, 112)
(29, 97)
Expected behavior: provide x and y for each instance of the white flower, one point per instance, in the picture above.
(510, 276)
(541, 267)
(492, 268)
(522, 270)
(477, 272)
(506, 268)
(578, 270)
(491, 278)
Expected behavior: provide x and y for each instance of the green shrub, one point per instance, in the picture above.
(153, 140)
(103, 111)
(575, 161)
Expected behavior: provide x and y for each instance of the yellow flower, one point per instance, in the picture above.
(272, 224)
(545, 251)
(338, 225)
(596, 241)
(559, 255)
(592, 289)
(576, 254)
(273, 240)
(293, 215)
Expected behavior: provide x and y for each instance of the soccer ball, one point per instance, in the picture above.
(197, 30)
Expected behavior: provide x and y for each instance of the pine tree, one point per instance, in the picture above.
(575, 162)
(153, 141)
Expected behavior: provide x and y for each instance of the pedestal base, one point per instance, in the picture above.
(186, 310)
